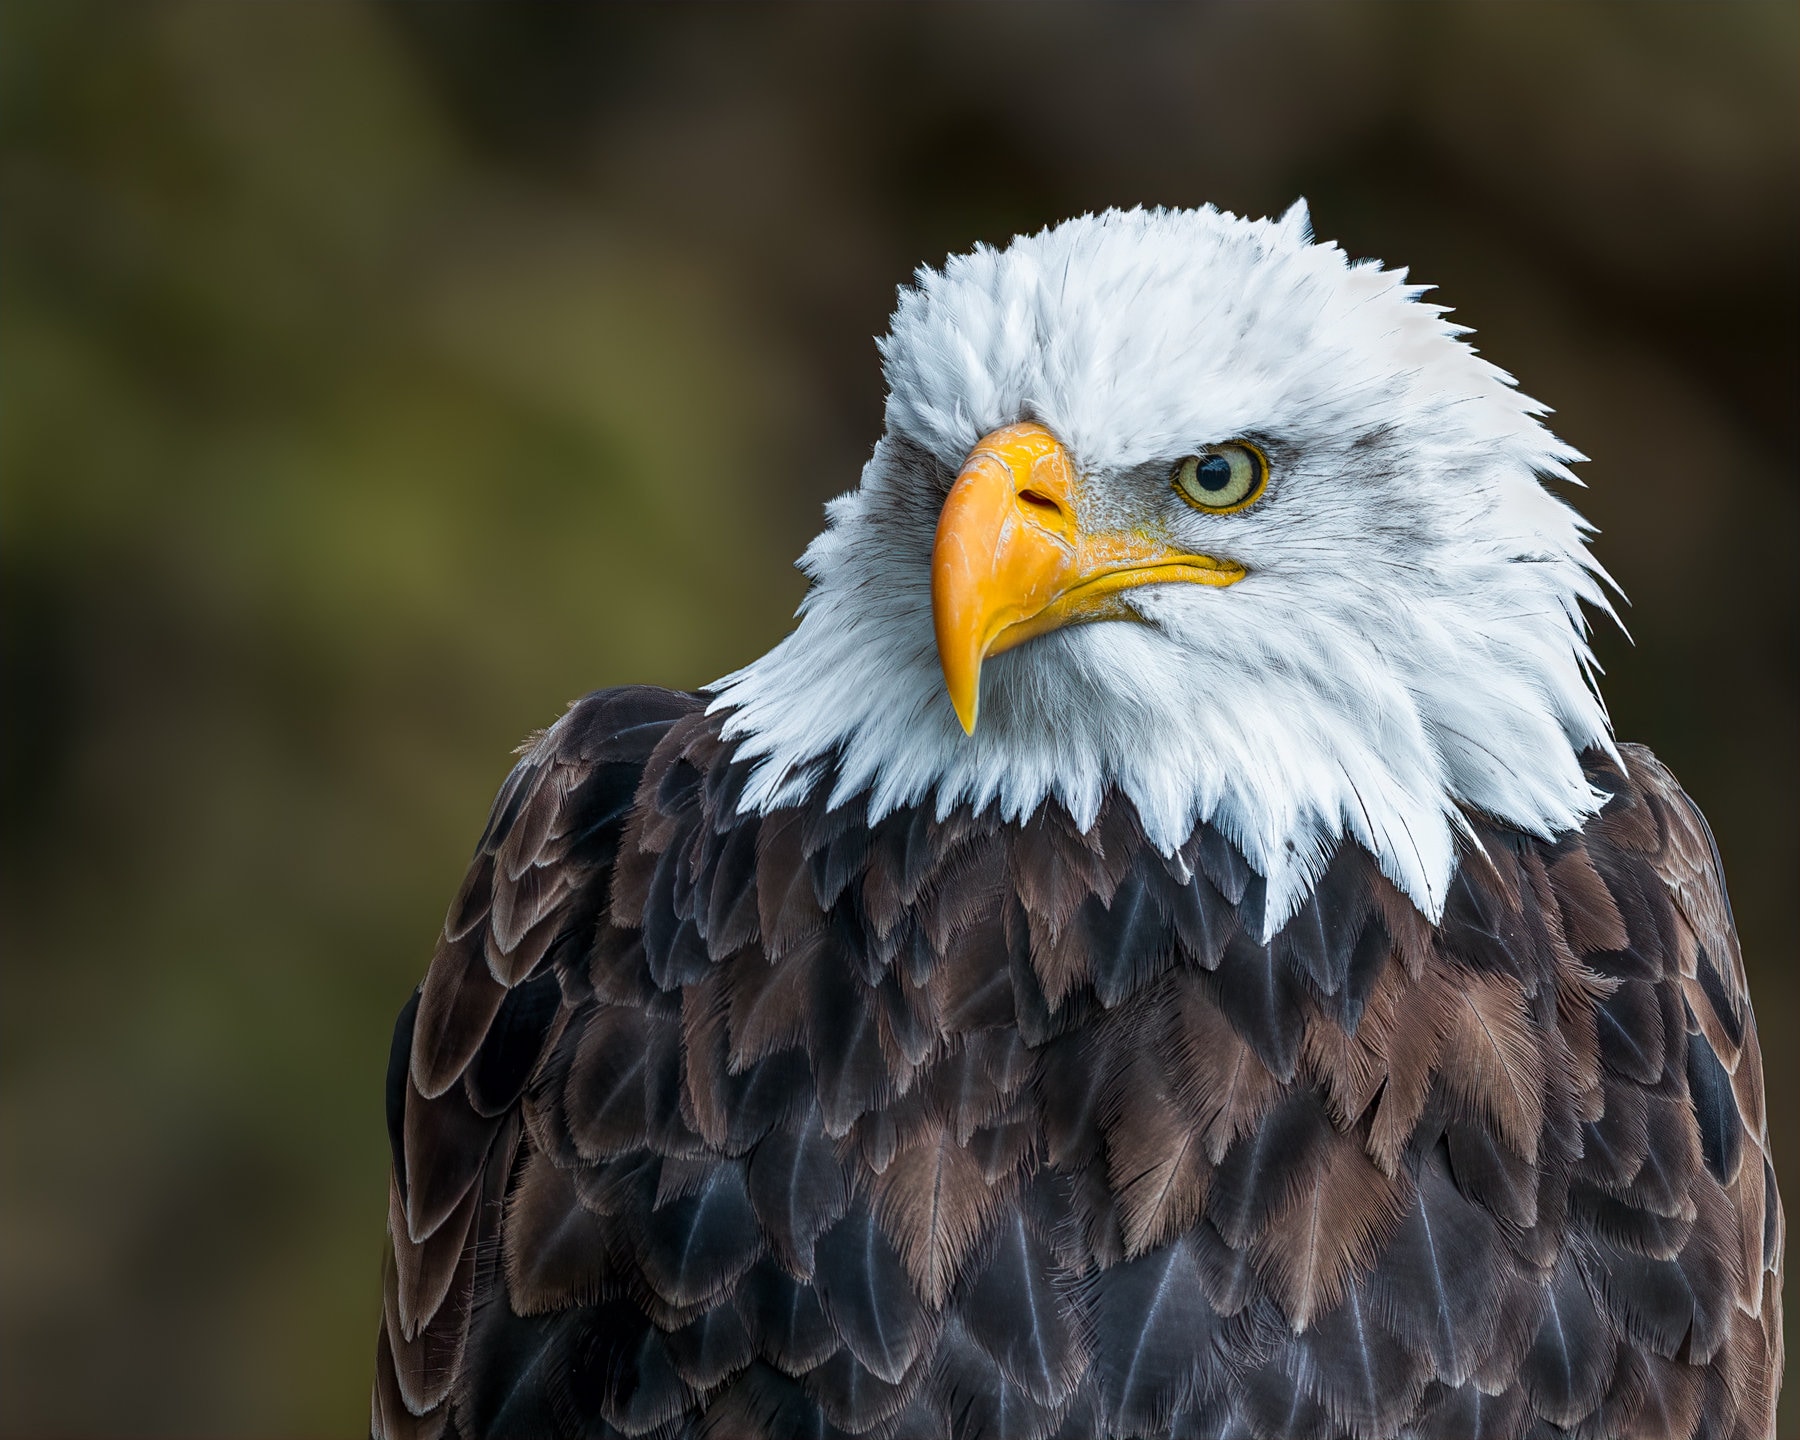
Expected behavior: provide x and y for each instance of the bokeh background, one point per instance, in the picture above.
(379, 378)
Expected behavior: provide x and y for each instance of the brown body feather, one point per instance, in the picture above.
(717, 1125)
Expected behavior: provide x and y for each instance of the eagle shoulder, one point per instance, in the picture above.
(1724, 1068)
(471, 1036)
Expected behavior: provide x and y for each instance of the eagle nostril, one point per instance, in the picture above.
(1039, 501)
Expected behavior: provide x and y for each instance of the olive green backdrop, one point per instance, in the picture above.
(379, 378)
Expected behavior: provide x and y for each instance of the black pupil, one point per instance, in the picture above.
(1213, 473)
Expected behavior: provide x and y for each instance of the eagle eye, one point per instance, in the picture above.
(1223, 478)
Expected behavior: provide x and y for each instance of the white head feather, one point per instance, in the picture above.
(1409, 641)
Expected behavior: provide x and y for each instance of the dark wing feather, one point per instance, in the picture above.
(1715, 1109)
(481, 1018)
(798, 1188)
(784, 1319)
(788, 909)
(706, 1351)
(696, 1246)
(426, 1361)
(976, 1399)
(1264, 1001)
(1129, 936)
(398, 1086)
(854, 1398)
(423, 1271)
(1337, 1220)
(934, 1202)
(457, 1004)
(389, 1414)
(526, 1357)
(515, 1040)
(557, 1252)
(1733, 1258)
(1154, 1334)
(1436, 1286)
(723, 1125)
(867, 1296)
(444, 1143)
(1026, 1323)
(1156, 1158)
(850, 1074)
(620, 1376)
(1318, 942)
(763, 1404)
(1260, 1174)
(1366, 1379)
(605, 1092)
(1570, 1363)
(1465, 1412)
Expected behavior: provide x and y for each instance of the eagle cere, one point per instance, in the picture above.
(1169, 944)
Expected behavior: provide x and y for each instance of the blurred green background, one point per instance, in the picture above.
(379, 378)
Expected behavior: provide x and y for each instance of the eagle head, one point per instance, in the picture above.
(1192, 508)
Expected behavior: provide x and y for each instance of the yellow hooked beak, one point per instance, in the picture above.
(1012, 560)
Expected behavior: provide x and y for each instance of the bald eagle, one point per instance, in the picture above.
(1168, 946)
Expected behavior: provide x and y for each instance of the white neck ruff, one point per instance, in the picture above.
(1409, 642)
